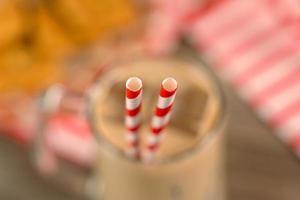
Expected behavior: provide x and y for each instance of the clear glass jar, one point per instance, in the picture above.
(190, 162)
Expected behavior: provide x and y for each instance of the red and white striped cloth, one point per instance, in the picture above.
(134, 92)
(64, 133)
(255, 45)
(161, 117)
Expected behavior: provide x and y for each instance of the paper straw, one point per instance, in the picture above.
(161, 117)
(134, 90)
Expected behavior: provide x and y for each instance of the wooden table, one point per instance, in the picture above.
(259, 167)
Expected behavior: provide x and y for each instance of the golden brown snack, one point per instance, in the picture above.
(86, 21)
(50, 40)
(10, 23)
(20, 70)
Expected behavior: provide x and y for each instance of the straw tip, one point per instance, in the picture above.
(134, 84)
(169, 84)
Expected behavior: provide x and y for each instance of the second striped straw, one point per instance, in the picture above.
(161, 117)
(134, 90)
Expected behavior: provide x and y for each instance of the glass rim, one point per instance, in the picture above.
(218, 125)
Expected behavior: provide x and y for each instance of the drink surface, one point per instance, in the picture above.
(193, 112)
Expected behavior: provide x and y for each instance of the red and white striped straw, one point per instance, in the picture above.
(134, 91)
(161, 117)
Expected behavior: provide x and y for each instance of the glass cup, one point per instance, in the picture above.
(189, 164)
(62, 128)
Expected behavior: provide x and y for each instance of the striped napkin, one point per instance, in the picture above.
(254, 45)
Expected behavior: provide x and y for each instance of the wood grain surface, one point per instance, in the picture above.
(258, 166)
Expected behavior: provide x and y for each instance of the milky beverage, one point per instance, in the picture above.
(189, 161)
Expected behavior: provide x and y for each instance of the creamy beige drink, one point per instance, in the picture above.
(189, 163)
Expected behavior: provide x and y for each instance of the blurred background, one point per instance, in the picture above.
(51, 51)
